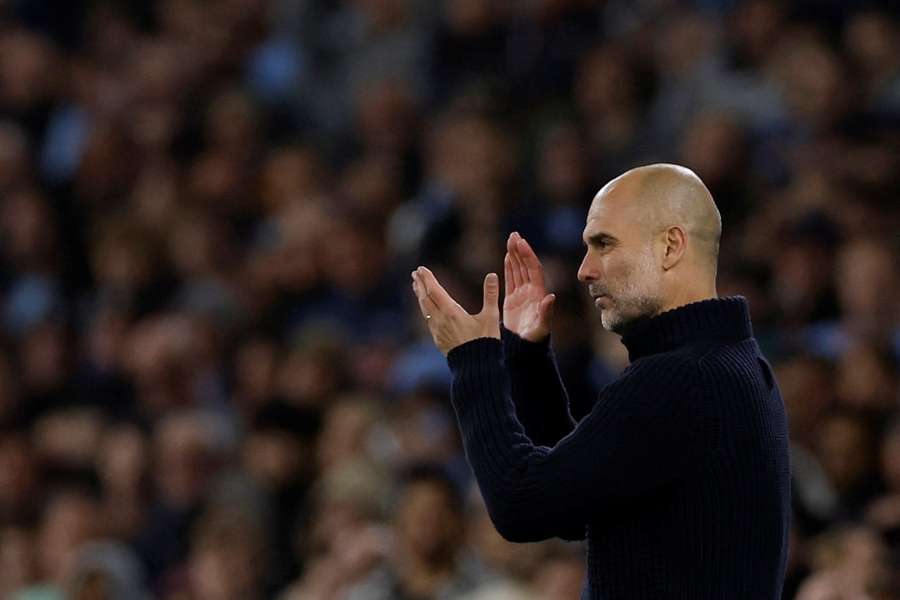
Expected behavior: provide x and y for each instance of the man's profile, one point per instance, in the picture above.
(678, 478)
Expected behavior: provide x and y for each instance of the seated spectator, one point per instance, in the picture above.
(427, 559)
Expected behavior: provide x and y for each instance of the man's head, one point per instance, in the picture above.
(652, 237)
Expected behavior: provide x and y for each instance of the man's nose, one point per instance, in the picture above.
(587, 272)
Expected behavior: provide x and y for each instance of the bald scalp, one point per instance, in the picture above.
(666, 195)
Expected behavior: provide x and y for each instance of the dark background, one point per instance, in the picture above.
(214, 381)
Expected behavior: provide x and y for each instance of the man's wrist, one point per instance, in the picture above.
(476, 349)
(515, 345)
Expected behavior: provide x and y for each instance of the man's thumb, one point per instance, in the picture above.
(491, 293)
(548, 305)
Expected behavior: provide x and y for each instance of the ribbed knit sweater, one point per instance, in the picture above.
(678, 478)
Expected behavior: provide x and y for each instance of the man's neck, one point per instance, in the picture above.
(688, 296)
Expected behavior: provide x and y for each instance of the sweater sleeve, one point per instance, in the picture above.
(640, 436)
(537, 390)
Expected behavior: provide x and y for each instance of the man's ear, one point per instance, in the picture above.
(675, 245)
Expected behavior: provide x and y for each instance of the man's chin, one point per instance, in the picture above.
(622, 323)
(615, 322)
(609, 320)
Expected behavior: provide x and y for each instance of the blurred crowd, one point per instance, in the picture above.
(214, 380)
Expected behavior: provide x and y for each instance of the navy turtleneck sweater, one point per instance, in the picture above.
(678, 477)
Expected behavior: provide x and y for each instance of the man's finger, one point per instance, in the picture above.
(436, 292)
(491, 295)
(511, 242)
(548, 304)
(515, 276)
(508, 285)
(518, 271)
(525, 274)
(426, 305)
(515, 271)
(530, 260)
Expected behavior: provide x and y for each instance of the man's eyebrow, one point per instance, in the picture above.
(600, 238)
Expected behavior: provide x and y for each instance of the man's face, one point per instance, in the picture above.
(619, 266)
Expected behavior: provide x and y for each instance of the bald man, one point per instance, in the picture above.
(678, 478)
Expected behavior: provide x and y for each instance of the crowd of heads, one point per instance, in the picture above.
(214, 379)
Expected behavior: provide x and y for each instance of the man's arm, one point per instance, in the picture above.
(540, 398)
(641, 435)
(537, 390)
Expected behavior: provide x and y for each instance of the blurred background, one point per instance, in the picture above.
(214, 380)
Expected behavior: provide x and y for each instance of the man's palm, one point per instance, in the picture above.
(527, 308)
(521, 313)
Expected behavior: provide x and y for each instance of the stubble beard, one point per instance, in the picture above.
(639, 297)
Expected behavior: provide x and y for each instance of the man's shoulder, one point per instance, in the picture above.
(720, 366)
(670, 373)
(703, 356)
(694, 366)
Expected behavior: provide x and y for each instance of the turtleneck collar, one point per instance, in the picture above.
(711, 320)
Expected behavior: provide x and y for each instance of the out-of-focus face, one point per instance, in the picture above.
(813, 81)
(273, 457)
(16, 559)
(605, 83)
(122, 461)
(26, 68)
(844, 451)
(712, 147)
(807, 388)
(70, 520)
(755, 27)
(255, 372)
(468, 16)
(619, 267)
(18, 473)
(27, 229)
(14, 160)
(294, 172)
(226, 558)
(870, 39)
(428, 525)
(867, 280)
(43, 353)
(344, 434)
(865, 380)
(184, 460)
(563, 168)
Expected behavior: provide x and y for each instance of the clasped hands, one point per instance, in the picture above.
(527, 307)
